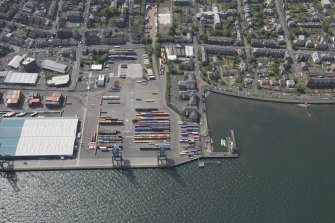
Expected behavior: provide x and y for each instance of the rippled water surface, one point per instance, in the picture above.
(286, 173)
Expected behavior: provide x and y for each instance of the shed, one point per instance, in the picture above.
(16, 61)
(21, 78)
(54, 66)
(96, 67)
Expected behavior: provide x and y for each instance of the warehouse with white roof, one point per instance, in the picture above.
(16, 61)
(21, 78)
(59, 80)
(54, 66)
(38, 137)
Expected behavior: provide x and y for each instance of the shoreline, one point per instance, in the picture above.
(176, 163)
(151, 163)
(274, 100)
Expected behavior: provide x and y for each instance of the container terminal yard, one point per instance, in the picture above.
(124, 124)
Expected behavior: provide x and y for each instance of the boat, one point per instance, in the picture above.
(9, 114)
(21, 114)
(223, 142)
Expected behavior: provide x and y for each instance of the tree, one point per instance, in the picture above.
(252, 59)
(194, 26)
(301, 88)
(325, 26)
(172, 31)
(102, 58)
(158, 49)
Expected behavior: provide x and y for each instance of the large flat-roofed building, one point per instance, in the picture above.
(21, 78)
(59, 80)
(16, 61)
(38, 137)
(54, 66)
(29, 64)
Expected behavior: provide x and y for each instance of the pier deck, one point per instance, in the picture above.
(127, 163)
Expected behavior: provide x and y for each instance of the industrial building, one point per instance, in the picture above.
(38, 137)
(21, 78)
(29, 64)
(15, 62)
(59, 80)
(54, 66)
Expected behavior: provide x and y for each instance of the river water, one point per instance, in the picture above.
(286, 173)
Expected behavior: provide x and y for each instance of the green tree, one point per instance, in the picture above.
(102, 58)
(301, 88)
(158, 49)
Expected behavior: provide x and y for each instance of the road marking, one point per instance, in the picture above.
(83, 128)
(81, 139)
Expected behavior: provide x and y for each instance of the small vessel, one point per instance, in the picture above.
(9, 114)
(21, 114)
(34, 114)
(223, 142)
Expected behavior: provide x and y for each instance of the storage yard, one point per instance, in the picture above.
(136, 120)
(152, 127)
(124, 112)
(190, 138)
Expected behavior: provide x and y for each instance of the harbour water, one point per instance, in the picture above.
(286, 173)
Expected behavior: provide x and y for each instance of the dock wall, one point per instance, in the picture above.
(275, 100)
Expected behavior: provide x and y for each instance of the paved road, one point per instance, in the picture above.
(278, 4)
(240, 19)
(273, 96)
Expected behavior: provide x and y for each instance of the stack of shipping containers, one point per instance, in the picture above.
(13, 98)
(34, 99)
(108, 120)
(55, 100)
(190, 136)
(122, 54)
(151, 126)
(106, 138)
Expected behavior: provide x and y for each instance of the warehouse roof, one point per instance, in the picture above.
(15, 62)
(54, 66)
(26, 137)
(59, 80)
(21, 78)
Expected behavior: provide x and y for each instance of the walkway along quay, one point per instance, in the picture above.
(140, 163)
(293, 100)
(125, 163)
